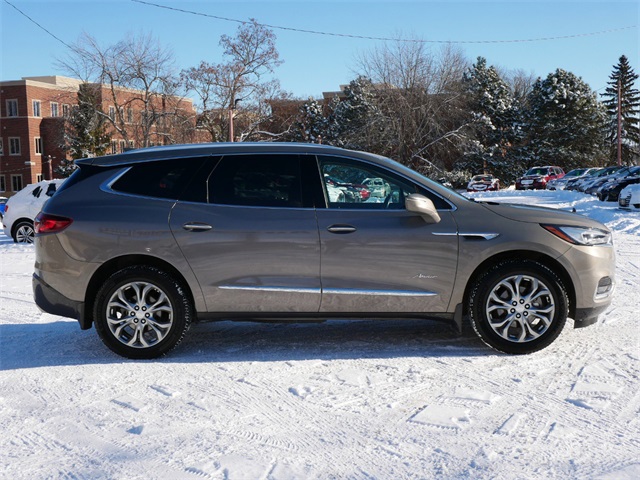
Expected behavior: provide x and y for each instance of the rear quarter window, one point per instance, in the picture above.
(160, 179)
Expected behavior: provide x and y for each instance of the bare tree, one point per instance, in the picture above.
(418, 92)
(139, 86)
(251, 55)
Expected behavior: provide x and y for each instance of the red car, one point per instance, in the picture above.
(537, 178)
(483, 183)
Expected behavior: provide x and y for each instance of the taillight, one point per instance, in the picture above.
(45, 223)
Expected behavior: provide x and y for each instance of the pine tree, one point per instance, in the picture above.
(353, 120)
(565, 123)
(85, 134)
(624, 77)
(494, 112)
(311, 126)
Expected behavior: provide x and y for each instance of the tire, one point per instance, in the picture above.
(141, 312)
(23, 232)
(504, 300)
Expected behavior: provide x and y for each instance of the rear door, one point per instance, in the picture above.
(249, 232)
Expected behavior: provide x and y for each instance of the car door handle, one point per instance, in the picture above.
(341, 229)
(197, 227)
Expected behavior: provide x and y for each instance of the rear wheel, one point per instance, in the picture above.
(142, 312)
(518, 306)
(23, 232)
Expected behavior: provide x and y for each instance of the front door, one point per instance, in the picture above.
(375, 255)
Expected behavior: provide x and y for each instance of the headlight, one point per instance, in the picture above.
(581, 235)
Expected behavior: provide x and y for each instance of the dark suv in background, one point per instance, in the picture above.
(143, 243)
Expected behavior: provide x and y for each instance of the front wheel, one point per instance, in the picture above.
(142, 312)
(518, 306)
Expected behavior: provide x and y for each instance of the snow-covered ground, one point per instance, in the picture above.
(370, 400)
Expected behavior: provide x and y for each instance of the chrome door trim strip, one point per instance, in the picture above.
(267, 288)
(390, 293)
(483, 235)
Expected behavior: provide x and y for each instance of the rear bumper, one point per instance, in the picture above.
(51, 301)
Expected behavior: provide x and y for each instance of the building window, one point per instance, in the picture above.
(36, 108)
(14, 146)
(54, 109)
(3, 187)
(65, 110)
(129, 115)
(12, 108)
(1, 146)
(114, 147)
(112, 113)
(16, 183)
(39, 177)
(122, 146)
(131, 143)
(38, 142)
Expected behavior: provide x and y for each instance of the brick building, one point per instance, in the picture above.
(33, 111)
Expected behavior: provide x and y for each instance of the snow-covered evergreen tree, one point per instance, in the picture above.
(624, 76)
(565, 123)
(85, 134)
(353, 120)
(494, 114)
(312, 125)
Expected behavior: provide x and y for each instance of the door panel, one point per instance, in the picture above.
(251, 259)
(253, 243)
(392, 262)
(375, 255)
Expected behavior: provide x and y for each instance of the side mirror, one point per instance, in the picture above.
(424, 207)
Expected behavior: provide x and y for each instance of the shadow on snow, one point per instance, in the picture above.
(63, 343)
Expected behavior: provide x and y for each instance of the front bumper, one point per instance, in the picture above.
(51, 301)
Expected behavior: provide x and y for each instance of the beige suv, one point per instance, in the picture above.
(144, 243)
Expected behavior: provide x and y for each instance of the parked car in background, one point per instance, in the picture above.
(590, 179)
(575, 183)
(538, 177)
(22, 208)
(3, 202)
(594, 185)
(629, 197)
(377, 187)
(143, 243)
(610, 191)
(483, 183)
(561, 183)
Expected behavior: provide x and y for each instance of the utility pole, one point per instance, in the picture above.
(232, 107)
(619, 123)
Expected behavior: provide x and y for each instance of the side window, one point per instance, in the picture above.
(36, 192)
(161, 179)
(353, 184)
(265, 180)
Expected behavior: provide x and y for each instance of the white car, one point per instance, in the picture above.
(630, 197)
(377, 186)
(22, 208)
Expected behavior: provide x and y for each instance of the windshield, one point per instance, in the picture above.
(538, 171)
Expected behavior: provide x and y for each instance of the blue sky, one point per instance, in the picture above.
(317, 63)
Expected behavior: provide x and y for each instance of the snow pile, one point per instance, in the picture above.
(393, 399)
